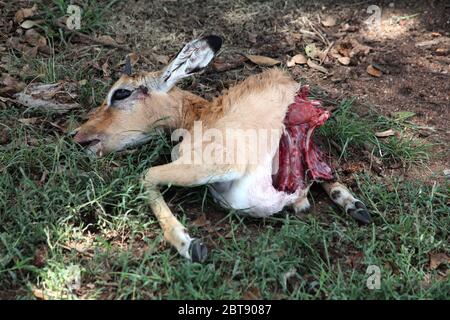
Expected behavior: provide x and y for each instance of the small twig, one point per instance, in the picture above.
(321, 36)
(338, 147)
(325, 53)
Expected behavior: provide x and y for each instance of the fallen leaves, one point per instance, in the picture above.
(10, 85)
(329, 21)
(442, 51)
(31, 42)
(201, 221)
(311, 50)
(33, 38)
(106, 40)
(355, 259)
(373, 71)
(29, 121)
(315, 66)
(28, 24)
(5, 136)
(350, 47)
(162, 59)
(22, 14)
(222, 64)
(262, 60)
(40, 256)
(437, 259)
(253, 293)
(297, 59)
(435, 41)
(344, 60)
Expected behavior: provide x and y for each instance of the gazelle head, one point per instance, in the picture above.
(139, 102)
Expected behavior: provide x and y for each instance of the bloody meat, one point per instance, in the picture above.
(300, 159)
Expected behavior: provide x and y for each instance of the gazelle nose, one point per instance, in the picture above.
(73, 132)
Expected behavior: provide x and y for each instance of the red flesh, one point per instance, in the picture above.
(299, 158)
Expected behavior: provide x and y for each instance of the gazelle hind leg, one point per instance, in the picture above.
(179, 174)
(302, 205)
(345, 199)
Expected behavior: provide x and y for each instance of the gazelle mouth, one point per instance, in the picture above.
(89, 143)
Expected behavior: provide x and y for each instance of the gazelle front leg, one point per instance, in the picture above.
(344, 198)
(179, 174)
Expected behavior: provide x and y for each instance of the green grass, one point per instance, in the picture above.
(92, 17)
(92, 219)
(352, 133)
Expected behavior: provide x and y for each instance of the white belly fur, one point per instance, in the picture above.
(253, 194)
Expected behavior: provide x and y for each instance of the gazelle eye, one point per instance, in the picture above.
(120, 94)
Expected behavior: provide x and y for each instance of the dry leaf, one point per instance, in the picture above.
(253, 293)
(373, 71)
(121, 39)
(344, 61)
(221, 64)
(40, 294)
(349, 47)
(314, 65)
(429, 43)
(436, 259)
(28, 24)
(355, 260)
(162, 59)
(4, 136)
(329, 21)
(107, 40)
(201, 221)
(435, 34)
(10, 85)
(30, 52)
(22, 14)
(384, 134)
(40, 256)
(441, 51)
(29, 121)
(34, 38)
(311, 50)
(252, 37)
(297, 59)
(105, 70)
(262, 60)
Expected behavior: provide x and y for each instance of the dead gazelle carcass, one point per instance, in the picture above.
(270, 169)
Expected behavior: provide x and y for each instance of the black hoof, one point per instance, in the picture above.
(198, 251)
(361, 213)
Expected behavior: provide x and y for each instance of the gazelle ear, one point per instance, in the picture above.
(194, 57)
(127, 68)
